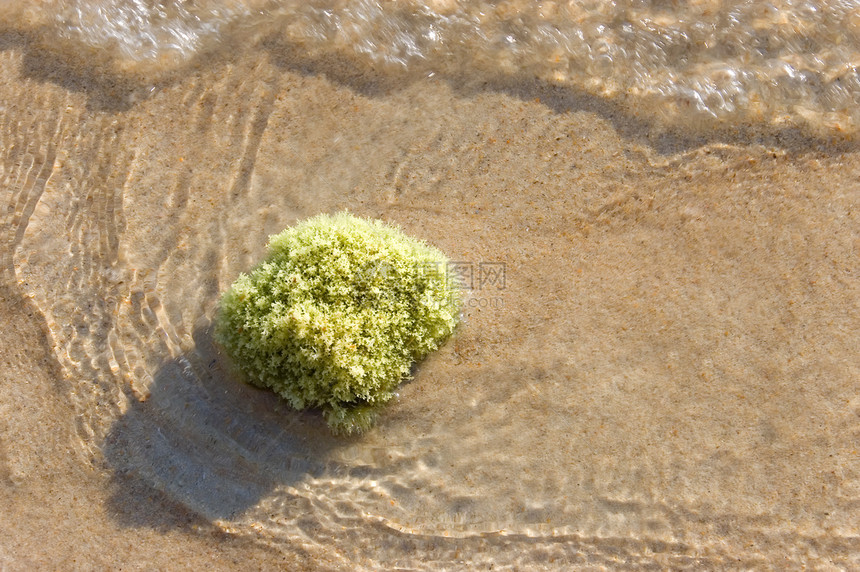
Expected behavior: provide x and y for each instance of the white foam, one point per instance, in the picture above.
(784, 63)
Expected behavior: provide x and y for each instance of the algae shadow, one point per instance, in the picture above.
(207, 446)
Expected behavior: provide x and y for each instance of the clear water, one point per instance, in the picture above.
(612, 405)
(792, 63)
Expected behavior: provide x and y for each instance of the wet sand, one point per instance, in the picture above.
(667, 378)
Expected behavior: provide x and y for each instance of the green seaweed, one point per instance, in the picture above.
(336, 314)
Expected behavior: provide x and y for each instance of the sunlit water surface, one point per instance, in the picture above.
(584, 412)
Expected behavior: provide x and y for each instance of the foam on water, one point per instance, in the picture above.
(705, 63)
(139, 30)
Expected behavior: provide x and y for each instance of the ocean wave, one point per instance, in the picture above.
(784, 63)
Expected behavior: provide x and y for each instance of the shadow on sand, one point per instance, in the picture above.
(204, 442)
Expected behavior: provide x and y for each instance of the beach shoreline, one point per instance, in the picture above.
(668, 369)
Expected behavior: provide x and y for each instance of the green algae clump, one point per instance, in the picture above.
(336, 314)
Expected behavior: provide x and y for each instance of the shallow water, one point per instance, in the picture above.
(698, 64)
(668, 371)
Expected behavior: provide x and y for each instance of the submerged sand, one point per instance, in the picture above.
(667, 377)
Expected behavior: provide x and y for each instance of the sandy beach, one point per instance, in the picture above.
(667, 377)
